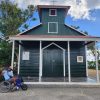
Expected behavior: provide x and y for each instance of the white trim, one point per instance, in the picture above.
(56, 27)
(28, 30)
(19, 58)
(69, 70)
(50, 12)
(53, 44)
(78, 60)
(96, 58)
(53, 39)
(64, 71)
(13, 48)
(40, 61)
(64, 83)
(64, 64)
(86, 60)
(76, 30)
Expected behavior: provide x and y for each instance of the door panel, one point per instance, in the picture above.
(52, 62)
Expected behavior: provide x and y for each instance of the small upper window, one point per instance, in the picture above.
(53, 12)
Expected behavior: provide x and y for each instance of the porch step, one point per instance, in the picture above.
(63, 85)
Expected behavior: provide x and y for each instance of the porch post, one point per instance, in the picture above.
(86, 61)
(12, 59)
(40, 62)
(96, 58)
(69, 72)
(64, 62)
(19, 58)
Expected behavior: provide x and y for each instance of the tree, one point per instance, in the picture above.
(92, 49)
(5, 53)
(11, 18)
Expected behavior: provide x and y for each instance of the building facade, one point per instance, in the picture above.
(52, 48)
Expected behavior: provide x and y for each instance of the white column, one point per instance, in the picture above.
(96, 58)
(69, 71)
(13, 48)
(86, 61)
(40, 62)
(19, 58)
(64, 62)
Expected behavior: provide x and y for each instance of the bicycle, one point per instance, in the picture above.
(7, 86)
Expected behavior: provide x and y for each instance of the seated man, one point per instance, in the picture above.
(8, 75)
(5, 74)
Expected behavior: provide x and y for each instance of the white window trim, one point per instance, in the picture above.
(78, 61)
(26, 55)
(56, 27)
(50, 12)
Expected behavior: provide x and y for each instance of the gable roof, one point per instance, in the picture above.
(52, 6)
(29, 29)
(41, 24)
(76, 30)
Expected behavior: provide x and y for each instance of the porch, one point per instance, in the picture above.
(66, 78)
(59, 79)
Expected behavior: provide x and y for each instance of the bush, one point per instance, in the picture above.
(92, 64)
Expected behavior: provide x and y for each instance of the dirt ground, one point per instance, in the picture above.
(92, 73)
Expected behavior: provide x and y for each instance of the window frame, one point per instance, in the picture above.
(56, 27)
(51, 10)
(79, 61)
(26, 55)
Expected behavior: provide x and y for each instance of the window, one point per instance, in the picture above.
(80, 59)
(52, 27)
(25, 55)
(53, 12)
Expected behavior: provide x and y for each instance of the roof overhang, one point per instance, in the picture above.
(53, 38)
(52, 6)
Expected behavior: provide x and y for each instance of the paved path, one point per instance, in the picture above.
(53, 94)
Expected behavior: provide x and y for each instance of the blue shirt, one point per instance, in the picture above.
(10, 73)
(5, 74)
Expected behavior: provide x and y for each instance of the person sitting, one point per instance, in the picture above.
(9, 76)
(5, 74)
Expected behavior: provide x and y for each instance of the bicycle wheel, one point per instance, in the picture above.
(5, 86)
(24, 87)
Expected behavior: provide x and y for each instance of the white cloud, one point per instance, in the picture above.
(80, 9)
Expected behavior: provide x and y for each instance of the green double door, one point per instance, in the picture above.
(52, 63)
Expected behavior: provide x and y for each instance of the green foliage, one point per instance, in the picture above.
(76, 27)
(12, 17)
(5, 53)
(92, 64)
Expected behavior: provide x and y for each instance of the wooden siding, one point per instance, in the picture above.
(77, 69)
(31, 67)
(60, 18)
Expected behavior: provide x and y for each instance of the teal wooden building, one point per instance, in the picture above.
(52, 48)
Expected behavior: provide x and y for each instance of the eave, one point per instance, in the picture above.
(53, 38)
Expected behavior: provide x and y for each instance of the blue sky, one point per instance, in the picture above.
(91, 26)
